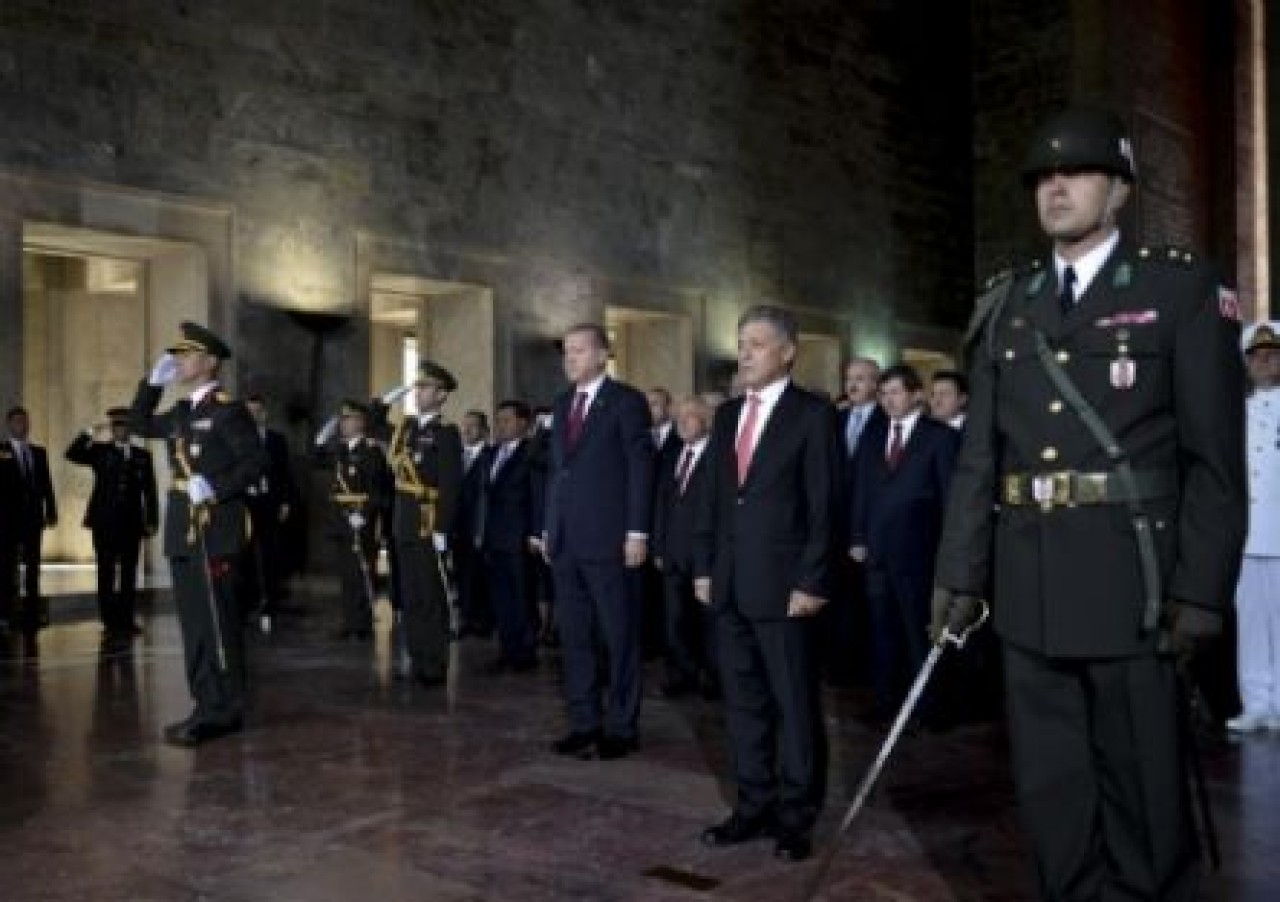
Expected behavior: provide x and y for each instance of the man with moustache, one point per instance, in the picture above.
(762, 561)
(1101, 488)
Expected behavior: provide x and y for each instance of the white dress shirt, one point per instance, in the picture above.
(1087, 266)
(768, 396)
(908, 425)
(202, 392)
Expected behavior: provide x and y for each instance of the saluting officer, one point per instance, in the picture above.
(122, 509)
(1101, 489)
(1258, 595)
(215, 455)
(426, 460)
(358, 484)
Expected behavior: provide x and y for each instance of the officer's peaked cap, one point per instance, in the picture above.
(1260, 335)
(434, 372)
(195, 337)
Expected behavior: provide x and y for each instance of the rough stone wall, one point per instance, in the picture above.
(692, 155)
(1166, 66)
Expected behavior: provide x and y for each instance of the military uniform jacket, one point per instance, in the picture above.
(220, 442)
(358, 483)
(1264, 473)
(425, 457)
(123, 499)
(1068, 581)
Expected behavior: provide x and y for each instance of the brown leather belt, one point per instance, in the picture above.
(1069, 488)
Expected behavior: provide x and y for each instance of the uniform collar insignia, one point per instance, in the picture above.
(1123, 276)
(1036, 283)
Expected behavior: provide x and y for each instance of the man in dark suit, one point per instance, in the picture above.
(689, 638)
(762, 559)
(271, 503)
(27, 509)
(510, 521)
(1106, 422)
(215, 456)
(649, 581)
(358, 485)
(123, 508)
(845, 627)
(475, 612)
(599, 496)
(902, 472)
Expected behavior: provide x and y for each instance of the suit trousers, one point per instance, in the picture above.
(689, 628)
(117, 551)
(25, 550)
(508, 574)
(426, 607)
(597, 598)
(899, 633)
(769, 673)
(217, 684)
(1098, 765)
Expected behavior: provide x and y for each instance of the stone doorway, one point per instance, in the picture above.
(817, 365)
(97, 308)
(449, 322)
(651, 349)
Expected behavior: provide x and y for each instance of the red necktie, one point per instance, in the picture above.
(746, 445)
(682, 471)
(895, 447)
(576, 417)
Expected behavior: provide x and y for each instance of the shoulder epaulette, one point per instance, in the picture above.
(1168, 253)
(994, 292)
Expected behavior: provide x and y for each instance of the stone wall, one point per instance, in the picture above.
(568, 154)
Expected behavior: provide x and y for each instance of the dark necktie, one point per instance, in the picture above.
(895, 447)
(1067, 292)
(682, 471)
(576, 418)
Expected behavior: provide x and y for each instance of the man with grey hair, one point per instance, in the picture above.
(761, 559)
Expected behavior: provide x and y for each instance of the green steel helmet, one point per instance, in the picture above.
(1080, 138)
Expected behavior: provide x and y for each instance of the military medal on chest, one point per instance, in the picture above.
(1124, 369)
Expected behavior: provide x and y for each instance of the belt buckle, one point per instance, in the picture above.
(1050, 490)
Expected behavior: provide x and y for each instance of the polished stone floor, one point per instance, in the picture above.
(352, 787)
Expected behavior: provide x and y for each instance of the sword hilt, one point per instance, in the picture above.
(948, 636)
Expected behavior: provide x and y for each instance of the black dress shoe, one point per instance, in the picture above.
(497, 666)
(430, 680)
(192, 734)
(577, 745)
(711, 690)
(611, 748)
(525, 665)
(736, 829)
(794, 845)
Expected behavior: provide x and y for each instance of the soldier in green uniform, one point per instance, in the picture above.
(356, 489)
(214, 455)
(1100, 491)
(426, 461)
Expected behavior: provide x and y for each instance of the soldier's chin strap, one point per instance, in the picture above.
(1150, 563)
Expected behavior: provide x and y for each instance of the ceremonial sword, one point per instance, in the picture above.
(945, 638)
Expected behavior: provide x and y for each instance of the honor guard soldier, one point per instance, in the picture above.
(359, 481)
(1258, 595)
(214, 455)
(1100, 492)
(122, 509)
(426, 460)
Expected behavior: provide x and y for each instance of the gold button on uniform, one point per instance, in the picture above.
(1063, 357)
(1055, 407)
(1049, 454)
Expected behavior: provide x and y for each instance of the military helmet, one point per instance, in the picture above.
(1080, 138)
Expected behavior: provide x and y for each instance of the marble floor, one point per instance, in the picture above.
(352, 787)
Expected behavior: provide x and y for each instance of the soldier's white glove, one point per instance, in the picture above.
(326, 433)
(396, 394)
(356, 520)
(164, 372)
(440, 541)
(199, 490)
